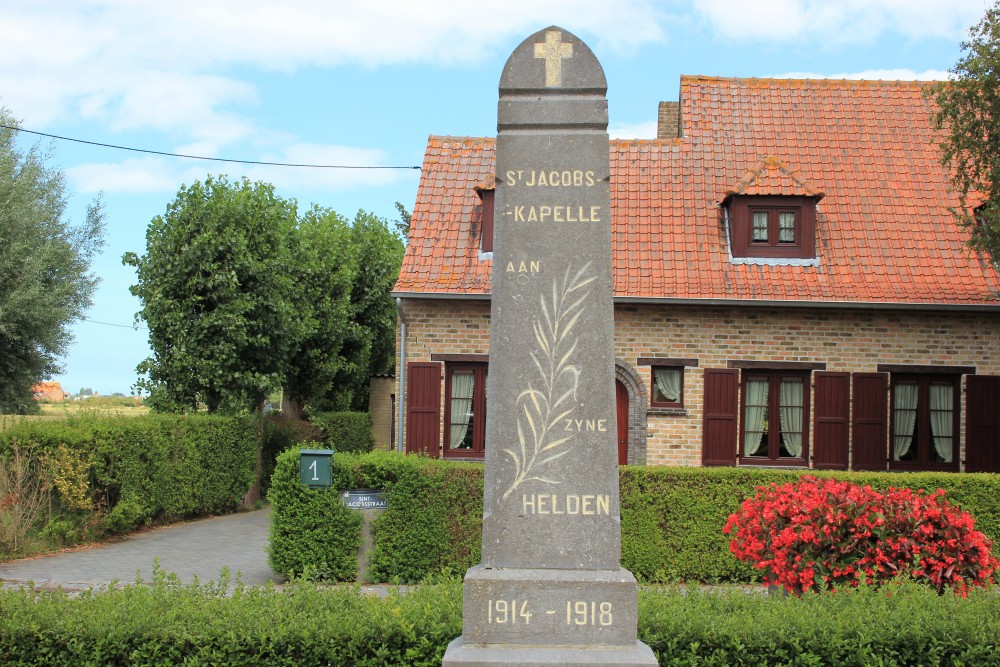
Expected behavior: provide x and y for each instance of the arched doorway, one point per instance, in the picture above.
(621, 402)
(630, 401)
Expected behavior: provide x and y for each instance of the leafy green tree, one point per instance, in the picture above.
(323, 270)
(45, 279)
(370, 344)
(969, 113)
(214, 286)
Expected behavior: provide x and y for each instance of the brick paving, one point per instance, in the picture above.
(198, 548)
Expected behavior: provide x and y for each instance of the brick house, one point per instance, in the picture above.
(48, 391)
(790, 288)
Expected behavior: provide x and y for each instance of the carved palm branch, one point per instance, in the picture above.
(548, 399)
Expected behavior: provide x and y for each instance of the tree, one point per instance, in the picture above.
(370, 344)
(324, 270)
(45, 279)
(214, 286)
(969, 113)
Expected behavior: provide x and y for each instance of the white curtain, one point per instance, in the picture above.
(786, 227)
(942, 414)
(756, 413)
(905, 416)
(668, 383)
(461, 406)
(791, 417)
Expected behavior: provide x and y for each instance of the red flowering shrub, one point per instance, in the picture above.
(822, 534)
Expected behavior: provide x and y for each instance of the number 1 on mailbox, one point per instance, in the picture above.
(315, 468)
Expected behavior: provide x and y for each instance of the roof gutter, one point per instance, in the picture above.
(826, 305)
(452, 296)
(760, 303)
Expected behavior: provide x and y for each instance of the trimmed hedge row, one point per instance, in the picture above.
(433, 524)
(910, 625)
(345, 431)
(155, 467)
(312, 533)
(672, 518)
(217, 624)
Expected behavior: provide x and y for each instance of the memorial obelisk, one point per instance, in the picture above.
(550, 589)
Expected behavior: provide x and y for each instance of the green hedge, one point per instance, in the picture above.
(169, 624)
(156, 467)
(433, 523)
(672, 518)
(312, 534)
(346, 431)
(217, 624)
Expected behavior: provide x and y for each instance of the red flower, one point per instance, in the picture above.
(828, 533)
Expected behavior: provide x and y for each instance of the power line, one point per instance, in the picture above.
(111, 324)
(201, 157)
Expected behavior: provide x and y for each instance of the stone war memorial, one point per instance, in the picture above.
(550, 589)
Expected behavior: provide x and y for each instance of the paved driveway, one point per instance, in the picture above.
(197, 548)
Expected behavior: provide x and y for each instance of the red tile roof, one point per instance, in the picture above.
(884, 234)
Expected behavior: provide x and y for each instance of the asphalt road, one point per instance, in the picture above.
(194, 549)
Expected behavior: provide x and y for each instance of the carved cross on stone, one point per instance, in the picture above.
(553, 50)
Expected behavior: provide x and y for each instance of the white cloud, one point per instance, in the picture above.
(872, 75)
(138, 175)
(175, 67)
(840, 21)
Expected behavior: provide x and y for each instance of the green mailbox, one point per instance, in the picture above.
(315, 469)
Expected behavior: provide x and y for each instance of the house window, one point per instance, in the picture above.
(667, 387)
(465, 410)
(773, 226)
(775, 409)
(924, 418)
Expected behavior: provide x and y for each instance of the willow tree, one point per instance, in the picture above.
(45, 278)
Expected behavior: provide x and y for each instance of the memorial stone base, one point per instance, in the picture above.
(548, 617)
(461, 653)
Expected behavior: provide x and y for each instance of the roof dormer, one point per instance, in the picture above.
(772, 213)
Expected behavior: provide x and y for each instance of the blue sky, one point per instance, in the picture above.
(364, 84)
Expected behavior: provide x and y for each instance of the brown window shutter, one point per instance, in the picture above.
(423, 408)
(871, 421)
(982, 423)
(720, 407)
(831, 417)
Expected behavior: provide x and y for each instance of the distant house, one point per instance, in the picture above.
(48, 391)
(790, 288)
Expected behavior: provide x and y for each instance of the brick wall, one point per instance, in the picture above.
(844, 340)
(381, 393)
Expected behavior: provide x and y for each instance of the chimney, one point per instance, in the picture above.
(668, 125)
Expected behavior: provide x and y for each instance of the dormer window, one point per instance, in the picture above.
(773, 226)
(771, 214)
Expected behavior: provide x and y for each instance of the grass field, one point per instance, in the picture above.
(122, 407)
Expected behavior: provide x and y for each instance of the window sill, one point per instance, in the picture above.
(775, 466)
(667, 412)
(776, 261)
(464, 459)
